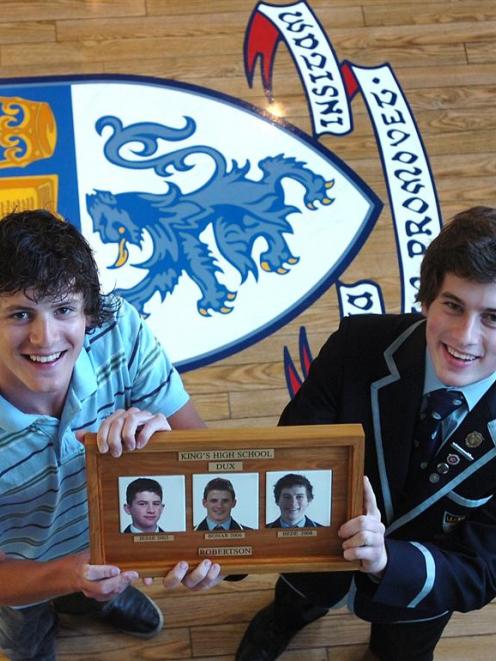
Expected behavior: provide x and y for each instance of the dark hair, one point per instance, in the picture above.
(466, 247)
(46, 254)
(292, 480)
(142, 484)
(219, 484)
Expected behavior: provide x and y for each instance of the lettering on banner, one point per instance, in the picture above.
(330, 86)
(411, 188)
(362, 297)
(315, 60)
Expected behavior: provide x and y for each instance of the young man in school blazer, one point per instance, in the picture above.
(427, 538)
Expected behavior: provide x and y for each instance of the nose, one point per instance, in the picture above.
(467, 329)
(42, 331)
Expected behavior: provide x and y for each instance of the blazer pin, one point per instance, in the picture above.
(474, 439)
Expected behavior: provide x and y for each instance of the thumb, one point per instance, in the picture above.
(80, 435)
(369, 500)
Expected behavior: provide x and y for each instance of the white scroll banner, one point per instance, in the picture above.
(411, 188)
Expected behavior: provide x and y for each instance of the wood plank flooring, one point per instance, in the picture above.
(444, 55)
(209, 625)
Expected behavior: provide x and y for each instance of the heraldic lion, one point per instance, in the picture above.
(238, 209)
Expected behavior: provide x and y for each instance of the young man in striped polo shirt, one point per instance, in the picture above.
(71, 361)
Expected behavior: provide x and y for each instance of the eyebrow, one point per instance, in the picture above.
(454, 297)
(29, 305)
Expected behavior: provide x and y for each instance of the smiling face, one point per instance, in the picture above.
(293, 502)
(40, 342)
(145, 510)
(461, 331)
(219, 504)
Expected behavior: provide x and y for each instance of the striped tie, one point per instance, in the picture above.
(439, 404)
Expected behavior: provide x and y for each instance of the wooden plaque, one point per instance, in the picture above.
(330, 457)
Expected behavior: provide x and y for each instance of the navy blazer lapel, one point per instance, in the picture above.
(473, 444)
(395, 400)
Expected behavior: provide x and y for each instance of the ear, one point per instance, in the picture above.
(204, 502)
(424, 309)
(234, 502)
(126, 509)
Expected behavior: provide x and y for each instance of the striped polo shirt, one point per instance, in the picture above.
(43, 499)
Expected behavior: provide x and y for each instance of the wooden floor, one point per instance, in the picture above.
(209, 625)
(444, 54)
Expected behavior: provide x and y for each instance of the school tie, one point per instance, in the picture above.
(439, 404)
(219, 528)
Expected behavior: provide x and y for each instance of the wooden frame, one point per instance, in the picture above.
(313, 450)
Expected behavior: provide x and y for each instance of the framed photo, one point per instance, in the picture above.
(254, 500)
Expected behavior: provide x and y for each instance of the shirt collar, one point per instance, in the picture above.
(472, 392)
(137, 531)
(299, 524)
(226, 524)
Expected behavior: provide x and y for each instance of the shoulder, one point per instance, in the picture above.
(237, 526)
(378, 325)
(367, 333)
(123, 325)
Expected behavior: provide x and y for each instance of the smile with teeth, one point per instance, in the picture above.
(50, 358)
(467, 357)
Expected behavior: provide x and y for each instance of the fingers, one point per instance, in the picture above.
(365, 539)
(363, 536)
(175, 577)
(158, 422)
(100, 572)
(360, 527)
(204, 576)
(103, 582)
(128, 430)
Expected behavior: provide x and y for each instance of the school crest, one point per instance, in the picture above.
(217, 221)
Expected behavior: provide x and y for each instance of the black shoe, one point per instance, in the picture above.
(134, 613)
(263, 640)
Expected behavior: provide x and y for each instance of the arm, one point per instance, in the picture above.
(156, 399)
(186, 418)
(458, 573)
(25, 581)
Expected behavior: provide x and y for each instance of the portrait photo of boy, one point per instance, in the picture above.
(215, 498)
(299, 499)
(152, 505)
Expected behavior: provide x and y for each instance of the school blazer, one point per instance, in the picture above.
(441, 532)
(128, 529)
(203, 525)
(309, 523)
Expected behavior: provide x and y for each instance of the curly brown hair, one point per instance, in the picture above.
(47, 256)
